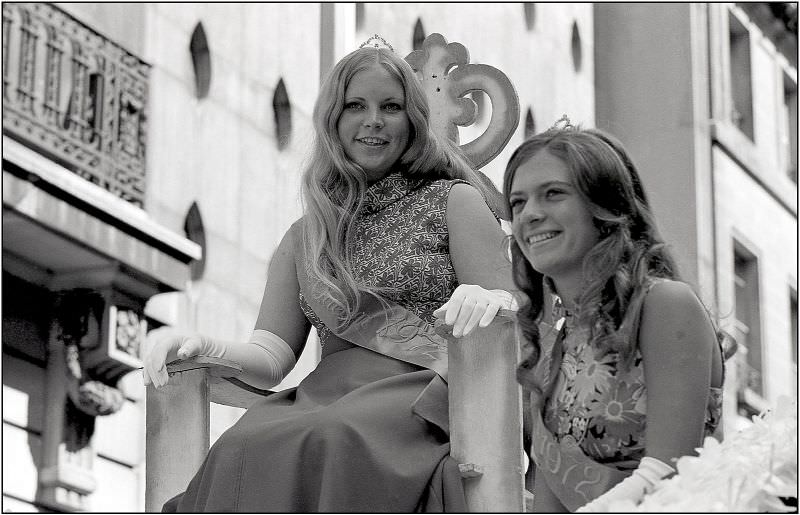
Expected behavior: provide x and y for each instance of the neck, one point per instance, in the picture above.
(568, 291)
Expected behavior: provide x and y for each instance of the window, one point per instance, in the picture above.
(283, 115)
(360, 16)
(419, 35)
(530, 15)
(793, 335)
(194, 230)
(740, 76)
(201, 60)
(577, 51)
(789, 125)
(530, 124)
(747, 327)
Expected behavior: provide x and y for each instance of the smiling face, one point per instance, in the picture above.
(551, 222)
(374, 127)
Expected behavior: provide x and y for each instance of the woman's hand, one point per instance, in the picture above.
(169, 349)
(472, 305)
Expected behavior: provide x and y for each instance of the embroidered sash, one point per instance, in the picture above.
(381, 326)
(572, 476)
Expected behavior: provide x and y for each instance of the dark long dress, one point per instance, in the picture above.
(352, 437)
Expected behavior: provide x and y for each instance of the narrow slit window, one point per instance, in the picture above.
(360, 16)
(793, 333)
(283, 115)
(577, 49)
(529, 9)
(195, 231)
(530, 124)
(419, 35)
(201, 60)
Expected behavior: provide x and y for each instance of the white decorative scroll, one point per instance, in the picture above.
(447, 76)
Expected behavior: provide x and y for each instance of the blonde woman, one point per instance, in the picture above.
(398, 230)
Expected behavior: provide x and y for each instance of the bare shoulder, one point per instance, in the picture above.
(673, 314)
(670, 295)
(463, 192)
(464, 201)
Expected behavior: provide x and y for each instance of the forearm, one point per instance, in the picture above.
(265, 359)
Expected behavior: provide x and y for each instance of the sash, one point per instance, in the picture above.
(380, 325)
(572, 476)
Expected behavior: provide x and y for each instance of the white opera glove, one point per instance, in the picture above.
(265, 359)
(471, 305)
(633, 488)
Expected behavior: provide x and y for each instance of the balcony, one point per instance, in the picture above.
(75, 97)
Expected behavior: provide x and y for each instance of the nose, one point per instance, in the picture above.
(373, 119)
(531, 213)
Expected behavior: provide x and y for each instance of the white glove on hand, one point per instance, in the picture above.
(176, 347)
(632, 488)
(471, 305)
(265, 359)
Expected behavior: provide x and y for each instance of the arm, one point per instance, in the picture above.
(676, 341)
(277, 340)
(476, 241)
(280, 311)
(481, 266)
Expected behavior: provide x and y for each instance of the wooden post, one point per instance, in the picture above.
(486, 417)
(177, 435)
(178, 425)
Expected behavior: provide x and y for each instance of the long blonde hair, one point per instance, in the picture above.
(333, 186)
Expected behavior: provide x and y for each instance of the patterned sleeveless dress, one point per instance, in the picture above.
(602, 404)
(347, 439)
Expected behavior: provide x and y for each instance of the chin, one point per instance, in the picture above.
(544, 267)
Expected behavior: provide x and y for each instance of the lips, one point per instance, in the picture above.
(372, 141)
(540, 237)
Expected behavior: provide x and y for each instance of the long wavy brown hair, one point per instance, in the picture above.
(333, 186)
(628, 255)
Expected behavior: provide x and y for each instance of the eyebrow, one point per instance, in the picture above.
(387, 99)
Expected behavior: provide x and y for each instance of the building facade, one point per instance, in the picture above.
(710, 115)
(152, 155)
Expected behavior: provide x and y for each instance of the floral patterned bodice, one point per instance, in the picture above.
(402, 244)
(602, 404)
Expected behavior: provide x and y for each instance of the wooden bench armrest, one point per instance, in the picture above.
(486, 415)
(224, 387)
(177, 421)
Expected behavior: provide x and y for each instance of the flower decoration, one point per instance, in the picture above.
(750, 471)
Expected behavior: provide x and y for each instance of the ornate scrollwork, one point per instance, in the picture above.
(75, 96)
(447, 77)
(80, 314)
(129, 332)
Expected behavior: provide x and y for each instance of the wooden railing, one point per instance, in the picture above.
(485, 419)
(76, 97)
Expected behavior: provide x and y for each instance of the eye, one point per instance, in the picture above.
(516, 204)
(393, 107)
(553, 193)
(353, 105)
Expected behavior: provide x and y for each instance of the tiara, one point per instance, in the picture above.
(562, 124)
(378, 42)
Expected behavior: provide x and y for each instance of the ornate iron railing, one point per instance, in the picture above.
(75, 96)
